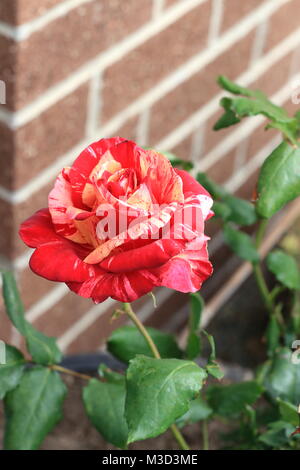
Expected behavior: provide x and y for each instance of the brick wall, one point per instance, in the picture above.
(78, 70)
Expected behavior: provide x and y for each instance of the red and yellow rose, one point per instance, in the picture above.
(159, 246)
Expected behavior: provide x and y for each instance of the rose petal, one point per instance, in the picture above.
(145, 257)
(185, 272)
(60, 261)
(38, 229)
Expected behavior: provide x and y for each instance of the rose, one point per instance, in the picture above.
(161, 244)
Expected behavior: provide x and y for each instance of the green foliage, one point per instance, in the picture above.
(288, 412)
(273, 335)
(42, 348)
(198, 411)
(252, 103)
(279, 180)
(285, 268)
(229, 208)
(104, 403)
(126, 342)
(281, 377)
(33, 408)
(277, 435)
(212, 366)
(231, 400)
(241, 244)
(11, 372)
(158, 392)
(193, 347)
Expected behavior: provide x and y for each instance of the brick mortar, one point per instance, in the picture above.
(23, 31)
(50, 172)
(110, 56)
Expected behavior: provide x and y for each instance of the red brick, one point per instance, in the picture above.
(5, 329)
(247, 190)
(184, 100)
(183, 149)
(236, 10)
(11, 217)
(282, 23)
(7, 151)
(258, 139)
(51, 54)
(169, 3)
(8, 11)
(34, 146)
(275, 77)
(128, 129)
(95, 335)
(223, 169)
(145, 66)
(17, 12)
(8, 68)
(213, 138)
(32, 287)
(7, 229)
(63, 315)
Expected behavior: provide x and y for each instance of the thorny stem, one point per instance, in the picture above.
(128, 310)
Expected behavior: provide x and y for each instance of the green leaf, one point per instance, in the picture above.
(285, 269)
(214, 369)
(215, 190)
(212, 366)
(104, 403)
(241, 244)
(288, 412)
(126, 342)
(11, 372)
(277, 435)
(228, 118)
(236, 89)
(42, 348)
(221, 210)
(226, 206)
(193, 347)
(230, 400)
(158, 392)
(282, 378)
(33, 408)
(110, 375)
(198, 411)
(253, 103)
(241, 212)
(279, 180)
(273, 335)
(13, 303)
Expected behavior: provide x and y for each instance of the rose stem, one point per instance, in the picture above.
(63, 370)
(128, 310)
(258, 274)
(205, 435)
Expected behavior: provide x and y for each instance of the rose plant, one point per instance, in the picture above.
(123, 220)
